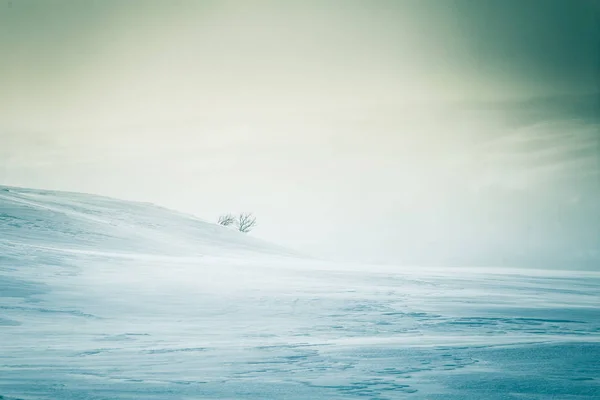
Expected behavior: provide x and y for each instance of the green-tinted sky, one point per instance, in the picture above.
(411, 131)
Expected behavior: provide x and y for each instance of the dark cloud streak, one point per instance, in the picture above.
(553, 43)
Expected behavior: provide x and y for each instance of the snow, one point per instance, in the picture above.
(108, 299)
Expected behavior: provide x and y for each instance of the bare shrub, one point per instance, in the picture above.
(226, 219)
(246, 222)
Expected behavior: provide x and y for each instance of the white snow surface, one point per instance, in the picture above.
(108, 299)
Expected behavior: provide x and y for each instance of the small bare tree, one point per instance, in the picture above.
(226, 220)
(246, 222)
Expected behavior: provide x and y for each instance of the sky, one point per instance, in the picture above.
(410, 132)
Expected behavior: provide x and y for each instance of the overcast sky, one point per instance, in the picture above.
(424, 131)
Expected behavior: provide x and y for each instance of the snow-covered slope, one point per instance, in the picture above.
(108, 300)
(77, 222)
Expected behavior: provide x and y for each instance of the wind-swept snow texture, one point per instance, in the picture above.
(106, 299)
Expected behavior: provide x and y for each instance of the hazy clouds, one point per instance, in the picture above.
(383, 130)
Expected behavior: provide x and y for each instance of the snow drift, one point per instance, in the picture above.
(106, 299)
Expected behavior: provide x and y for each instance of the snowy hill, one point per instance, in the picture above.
(108, 300)
(76, 222)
